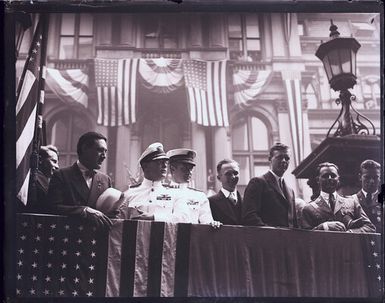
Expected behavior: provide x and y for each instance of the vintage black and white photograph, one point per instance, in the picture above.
(168, 150)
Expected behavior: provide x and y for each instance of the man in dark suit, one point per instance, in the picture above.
(268, 200)
(368, 195)
(48, 163)
(74, 190)
(227, 203)
(330, 211)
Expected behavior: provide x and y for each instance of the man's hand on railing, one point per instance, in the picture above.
(216, 224)
(335, 226)
(97, 218)
(138, 214)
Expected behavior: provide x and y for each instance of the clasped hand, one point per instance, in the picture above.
(97, 218)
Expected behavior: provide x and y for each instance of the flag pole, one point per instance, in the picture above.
(34, 159)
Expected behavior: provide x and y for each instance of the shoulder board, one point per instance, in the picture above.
(314, 204)
(136, 185)
(195, 189)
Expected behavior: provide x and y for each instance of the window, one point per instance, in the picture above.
(64, 130)
(160, 32)
(76, 36)
(250, 144)
(244, 37)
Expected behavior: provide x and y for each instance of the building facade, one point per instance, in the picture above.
(280, 46)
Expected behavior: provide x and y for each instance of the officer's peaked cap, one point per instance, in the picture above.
(183, 155)
(153, 152)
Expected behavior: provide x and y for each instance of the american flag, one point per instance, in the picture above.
(115, 80)
(294, 96)
(30, 100)
(374, 256)
(59, 257)
(206, 86)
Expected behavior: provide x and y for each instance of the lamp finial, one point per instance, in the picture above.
(334, 33)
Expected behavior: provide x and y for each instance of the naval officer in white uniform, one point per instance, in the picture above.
(150, 200)
(181, 167)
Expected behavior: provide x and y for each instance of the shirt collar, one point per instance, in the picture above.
(326, 196)
(275, 176)
(227, 193)
(150, 183)
(366, 193)
(82, 168)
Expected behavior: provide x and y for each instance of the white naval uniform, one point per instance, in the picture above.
(155, 199)
(199, 205)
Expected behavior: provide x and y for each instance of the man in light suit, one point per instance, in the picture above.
(268, 200)
(181, 166)
(330, 211)
(73, 190)
(369, 175)
(226, 205)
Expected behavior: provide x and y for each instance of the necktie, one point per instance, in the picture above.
(282, 187)
(332, 202)
(233, 198)
(368, 199)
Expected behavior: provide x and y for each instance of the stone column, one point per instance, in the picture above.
(122, 159)
(198, 140)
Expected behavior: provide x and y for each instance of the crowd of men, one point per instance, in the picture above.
(83, 191)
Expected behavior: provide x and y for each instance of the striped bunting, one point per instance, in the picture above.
(161, 75)
(294, 98)
(206, 90)
(30, 93)
(70, 86)
(145, 260)
(115, 80)
(248, 84)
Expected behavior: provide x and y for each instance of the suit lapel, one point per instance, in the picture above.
(78, 182)
(228, 208)
(323, 205)
(339, 204)
(272, 181)
(96, 188)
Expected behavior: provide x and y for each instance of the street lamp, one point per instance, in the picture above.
(339, 59)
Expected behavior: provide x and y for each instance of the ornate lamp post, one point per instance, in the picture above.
(352, 141)
(338, 56)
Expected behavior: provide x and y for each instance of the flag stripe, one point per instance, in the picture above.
(141, 259)
(120, 92)
(26, 111)
(134, 73)
(211, 103)
(191, 99)
(128, 258)
(115, 259)
(223, 83)
(155, 259)
(294, 137)
(100, 104)
(101, 264)
(22, 194)
(216, 91)
(299, 120)
(182, 260)
(126, 90)
(26, 136)
(168, 260)
(26, 88)
(113, 106)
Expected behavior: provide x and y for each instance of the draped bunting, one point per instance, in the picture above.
(161, 75)
(63, 257)
(70, 86)
(248, 84)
